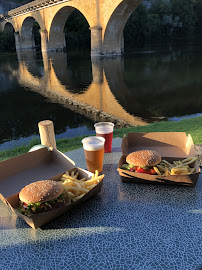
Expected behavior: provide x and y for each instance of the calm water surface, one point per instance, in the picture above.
(75, 91)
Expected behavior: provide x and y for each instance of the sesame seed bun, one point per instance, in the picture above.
(143, 158)
(41, 191)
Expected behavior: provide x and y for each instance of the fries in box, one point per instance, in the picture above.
(178, 167)
(77, 188)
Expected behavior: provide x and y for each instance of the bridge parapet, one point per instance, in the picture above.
(30, 7)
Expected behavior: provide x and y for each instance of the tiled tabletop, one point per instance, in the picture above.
(126, 226)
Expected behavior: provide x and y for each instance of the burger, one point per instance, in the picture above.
(143, 161)
(42, 196)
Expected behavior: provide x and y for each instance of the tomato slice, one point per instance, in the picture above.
(152, 171)
(149, 171)
(133, 169)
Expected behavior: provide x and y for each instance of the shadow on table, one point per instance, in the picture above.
(84, 215)
(116, 149)
(161, 194)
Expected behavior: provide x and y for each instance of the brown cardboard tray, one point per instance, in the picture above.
(20, 171)
(171, 146)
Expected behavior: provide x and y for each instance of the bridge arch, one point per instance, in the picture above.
(8, 27)
(26, 32)
(113, 33)
(56, 38)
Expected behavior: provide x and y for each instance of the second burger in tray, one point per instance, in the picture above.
(143, 161)
(150, 162)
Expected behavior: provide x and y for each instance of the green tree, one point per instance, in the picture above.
(37, 35)
(198, 12)
(184, 9)
(165, 21)
(77, 31)
(160, 7)
(135, 31)
(7, 41)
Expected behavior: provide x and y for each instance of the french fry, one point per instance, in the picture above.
(80, 187)
(190, 161)
(63, 178)
(192, 170)
(82, 179)
(160, 167)
(179, 167)
(66, 175)
(187, 159)
(77, 188)
(73, 181)
(71, 194)
(78, 197)
(72, 189)
(75, 191)
(157, 170)
(178, 163)
(90, 187)
(76, 175)
(167, 172)
(69, 177)
(96, 173)
(72, 174)
(167, 163)
(96, 179)
(67, 183)
(179, 170)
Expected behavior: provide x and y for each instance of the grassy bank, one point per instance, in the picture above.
(191, 126)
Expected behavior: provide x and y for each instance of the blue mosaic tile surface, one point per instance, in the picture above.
(126, 226)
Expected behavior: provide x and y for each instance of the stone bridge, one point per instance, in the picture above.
(106, 19)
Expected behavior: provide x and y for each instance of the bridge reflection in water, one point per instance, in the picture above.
(96, 101)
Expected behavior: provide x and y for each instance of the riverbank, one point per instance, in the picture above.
(191, 126)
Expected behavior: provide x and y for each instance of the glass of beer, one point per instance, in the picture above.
(94, 152)
(105, 130)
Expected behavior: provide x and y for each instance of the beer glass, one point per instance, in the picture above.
(94, 153)
(105, 130)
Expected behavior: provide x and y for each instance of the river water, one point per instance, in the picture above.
(75, 91)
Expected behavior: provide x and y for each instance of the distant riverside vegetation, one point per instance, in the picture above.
(153, 22)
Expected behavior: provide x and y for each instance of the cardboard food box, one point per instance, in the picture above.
(172, 146)
(42, 164)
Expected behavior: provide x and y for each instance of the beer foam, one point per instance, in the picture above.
(93, 143)
(104, 127)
